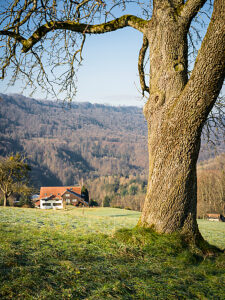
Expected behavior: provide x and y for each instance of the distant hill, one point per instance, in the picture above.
(65, 144)
(129, 192)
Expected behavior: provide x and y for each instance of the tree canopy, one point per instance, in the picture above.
(14, 173)
(85, 193)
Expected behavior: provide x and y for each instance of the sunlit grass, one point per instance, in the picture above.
(96, 220)
(80, 254)
(213, 232)
(102, 220)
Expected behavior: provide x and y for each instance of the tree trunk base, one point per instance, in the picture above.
(202, 247)
(194, 242)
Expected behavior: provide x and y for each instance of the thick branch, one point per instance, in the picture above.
(208, 74)
(190, 9)
(162, 4)
(142, 53)
(124, 21)
(14, 35)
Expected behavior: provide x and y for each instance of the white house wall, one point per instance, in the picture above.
(51, 206)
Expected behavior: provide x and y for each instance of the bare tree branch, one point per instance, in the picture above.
(142, 53)
(209, 65)
(27, 17)
(190, 9)
(124, 21)
(14, 35)
(51, 35)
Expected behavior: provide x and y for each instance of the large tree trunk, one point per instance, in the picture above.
(176, 112)
(171, 199)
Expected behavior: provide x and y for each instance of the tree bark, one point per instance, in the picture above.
(171, 198)
(176, 112)
(5, 200)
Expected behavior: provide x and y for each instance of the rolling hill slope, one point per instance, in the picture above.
(65, 144)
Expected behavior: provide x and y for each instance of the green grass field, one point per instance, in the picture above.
(99, 254)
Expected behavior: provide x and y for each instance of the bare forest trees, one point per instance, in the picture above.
(211, 187)
(179, 102)
(14, 173)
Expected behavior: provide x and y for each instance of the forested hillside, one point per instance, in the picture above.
(65, 144)
(129, 192)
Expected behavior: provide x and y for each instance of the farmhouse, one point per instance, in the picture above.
(215, 217)
(57, 197)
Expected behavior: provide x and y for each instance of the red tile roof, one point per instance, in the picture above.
(213, 215)
(37, 203)
(57, 191)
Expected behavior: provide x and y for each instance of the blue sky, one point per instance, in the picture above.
(109, 71)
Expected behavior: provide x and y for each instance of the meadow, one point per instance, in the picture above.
(98, 253)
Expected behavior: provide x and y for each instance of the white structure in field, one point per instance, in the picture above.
(48, 203)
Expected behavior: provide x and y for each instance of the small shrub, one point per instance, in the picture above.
(106, 201)
(93, 203)
(133, 190)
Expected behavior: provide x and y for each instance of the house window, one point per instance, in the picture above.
(67, 195)
(46, 204)
(56, 204)
(45, 194)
